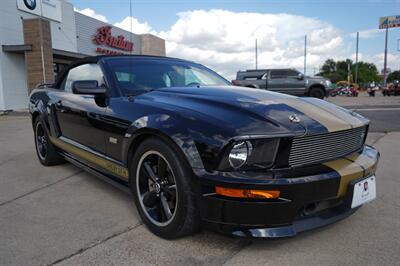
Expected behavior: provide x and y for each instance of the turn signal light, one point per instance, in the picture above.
(247, 193)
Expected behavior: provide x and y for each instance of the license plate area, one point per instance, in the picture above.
(363, 191)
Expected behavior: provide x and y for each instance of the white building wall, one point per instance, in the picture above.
(15, 91)
(63, 35)
(13, 85)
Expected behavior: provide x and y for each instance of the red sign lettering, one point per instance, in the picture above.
(104, 37)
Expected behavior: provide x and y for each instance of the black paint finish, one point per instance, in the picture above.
(201, 122)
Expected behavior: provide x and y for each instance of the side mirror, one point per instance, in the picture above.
(300, 76)
(89, 87)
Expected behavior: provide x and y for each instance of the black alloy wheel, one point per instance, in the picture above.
(161, 184)
(156, 187)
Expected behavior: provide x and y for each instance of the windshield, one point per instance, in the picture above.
(138, 76)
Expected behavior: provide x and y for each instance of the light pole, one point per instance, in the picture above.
(356, 76)
(256, 55)
(305, 54)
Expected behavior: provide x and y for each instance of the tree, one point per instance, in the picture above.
(329, 66)
(337, 71)
(395, 75)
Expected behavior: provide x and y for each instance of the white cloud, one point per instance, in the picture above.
(393, 60)
(225, 40)
(91, 13)
(137, 27)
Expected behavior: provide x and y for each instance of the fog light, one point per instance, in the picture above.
(247, 193)
(238, 155)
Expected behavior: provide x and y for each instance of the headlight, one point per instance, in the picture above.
(328, 82)
(238, 155)
(250, 154)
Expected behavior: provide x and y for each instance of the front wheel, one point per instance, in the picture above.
(160, 182)
(317, 93)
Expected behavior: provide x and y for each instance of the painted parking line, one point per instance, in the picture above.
(376, 109)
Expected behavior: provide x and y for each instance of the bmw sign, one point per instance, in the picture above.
(31, 4)
(50, 9)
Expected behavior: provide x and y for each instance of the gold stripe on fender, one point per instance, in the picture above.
(90, 157)
(369, 164)
(348, 172)
(325, 118)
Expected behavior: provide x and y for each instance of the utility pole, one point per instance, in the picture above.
(356, 77)
(305, 54)
(385, 58)
(256, 55)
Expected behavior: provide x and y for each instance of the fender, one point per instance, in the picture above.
(164, 126)
(160, 125)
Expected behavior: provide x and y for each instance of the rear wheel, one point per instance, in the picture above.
(160, 182)
(317, 93)
(45, 150)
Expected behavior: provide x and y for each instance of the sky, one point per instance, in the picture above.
(221, 34)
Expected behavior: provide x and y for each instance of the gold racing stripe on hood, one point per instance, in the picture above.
(328, 120)
(348, 172)
(90, 157)
(338, 111)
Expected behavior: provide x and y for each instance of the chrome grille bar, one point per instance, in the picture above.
(324, 147)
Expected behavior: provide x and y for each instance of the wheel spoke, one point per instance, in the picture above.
(149, 199)
(171, 191)
(165, 206)
(161, 167)
(150, 172)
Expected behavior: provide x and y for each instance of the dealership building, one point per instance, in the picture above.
(39, 38)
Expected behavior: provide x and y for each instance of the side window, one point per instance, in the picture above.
(292, 73)
(278, 74)
(83, 72)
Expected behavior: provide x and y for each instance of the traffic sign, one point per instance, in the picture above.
(389, 22)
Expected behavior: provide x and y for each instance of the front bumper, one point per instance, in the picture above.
(311, 197)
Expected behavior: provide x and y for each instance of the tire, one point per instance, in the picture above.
(46, 152)
(317, 93)
(173, 187)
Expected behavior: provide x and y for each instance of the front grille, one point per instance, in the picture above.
(325, 147)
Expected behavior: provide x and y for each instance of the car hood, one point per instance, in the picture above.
(252, 112)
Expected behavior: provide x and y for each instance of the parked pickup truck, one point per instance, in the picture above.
(288, 81)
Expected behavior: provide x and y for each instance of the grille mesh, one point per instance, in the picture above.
(325, 147)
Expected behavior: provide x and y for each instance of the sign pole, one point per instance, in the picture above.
(385, 58)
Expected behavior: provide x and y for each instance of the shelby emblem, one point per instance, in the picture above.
(294, 118)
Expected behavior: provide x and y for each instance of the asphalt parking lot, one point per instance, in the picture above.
(62, 215)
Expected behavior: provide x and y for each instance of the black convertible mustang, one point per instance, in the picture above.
(196, 151)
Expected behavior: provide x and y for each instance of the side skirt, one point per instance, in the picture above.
(117, 183)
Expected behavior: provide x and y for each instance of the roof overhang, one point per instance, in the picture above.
(18, 48)
(60, 54)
